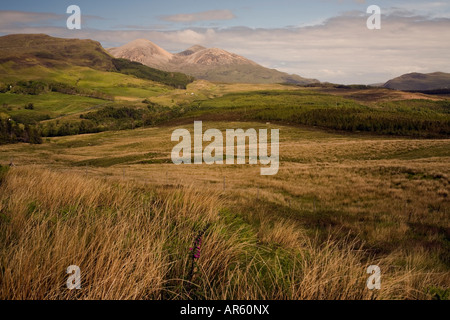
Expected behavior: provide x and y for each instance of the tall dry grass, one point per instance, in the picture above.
(132, 242)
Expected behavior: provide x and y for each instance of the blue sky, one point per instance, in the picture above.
(323, 39)
(250, 13)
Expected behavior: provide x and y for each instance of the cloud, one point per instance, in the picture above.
(212, 15)
(24, 19)
(17, 18)
(344, 50)
(340, 49)
(431, 9)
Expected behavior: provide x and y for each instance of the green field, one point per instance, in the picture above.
(406, 117)
(52, 104)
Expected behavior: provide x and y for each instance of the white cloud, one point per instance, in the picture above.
(340, 49)
(187, 37)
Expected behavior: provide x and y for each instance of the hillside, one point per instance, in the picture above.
(63, 95)
(23, 51)
(44, 78)
(212, 64)
(420, 82)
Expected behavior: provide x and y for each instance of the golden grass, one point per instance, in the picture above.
(113, 232)
(132, 243)
(339, 204)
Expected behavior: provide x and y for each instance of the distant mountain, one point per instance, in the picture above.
(20, 52)
(191, 50)
(211, 64)
(145, 52)
(420, 82)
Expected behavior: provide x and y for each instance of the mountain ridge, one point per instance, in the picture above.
(42, 49)
(420, 81)
(212, 64)
(22, 52)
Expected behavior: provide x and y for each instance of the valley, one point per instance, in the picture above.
(363, 180)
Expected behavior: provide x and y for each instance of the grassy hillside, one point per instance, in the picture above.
(44, 106)
(114, 204)
(420, 118)
(25, 50)
(420, 82)
(60, 114)
(45, 78)
(173, 79)
(19, 52)
(63, 94)
(243, 74)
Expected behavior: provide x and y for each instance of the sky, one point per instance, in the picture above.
(324, 39)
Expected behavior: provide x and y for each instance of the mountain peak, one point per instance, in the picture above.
(143, 51)
(217, 57)
(197, 47)
(191, 50)
(213, 64)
